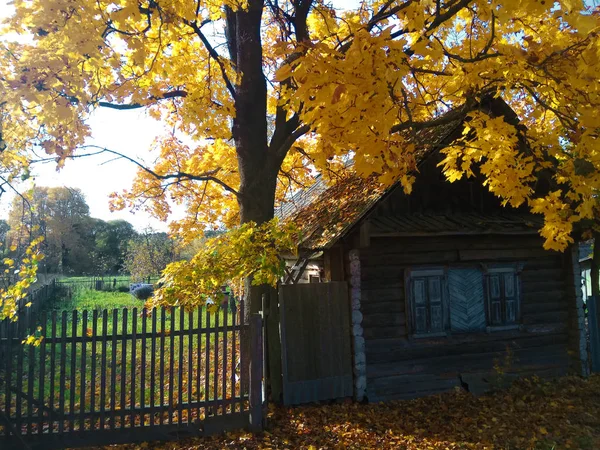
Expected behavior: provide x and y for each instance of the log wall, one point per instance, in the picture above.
(399, 366)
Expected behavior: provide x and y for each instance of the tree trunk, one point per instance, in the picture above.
(257, 168)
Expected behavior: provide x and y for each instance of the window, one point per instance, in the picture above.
(503, 296)
(314, 279)
(426, 299)
(463, 299)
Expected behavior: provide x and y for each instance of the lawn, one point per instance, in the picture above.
(532, 415)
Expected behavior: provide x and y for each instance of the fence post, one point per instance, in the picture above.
(593, 326)
(256, 372)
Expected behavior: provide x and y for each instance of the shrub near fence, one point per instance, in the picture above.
(146, 376)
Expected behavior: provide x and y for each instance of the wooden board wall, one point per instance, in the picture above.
(400, 367)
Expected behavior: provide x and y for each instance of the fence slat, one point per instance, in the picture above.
(190, 381)
(123, 370)
(18, 394)
(42, 374)
(180, 367)
(73, 373)
(171, 366)
(9, 370)
(216, 360)
(199, 367)
(94, 367)
(134, 319)
(161, 407)
(84, 324)
(243, 357)
(153, 366)
(233, 359)
(103, 369)
(63, 373)
(143, 369)
(113, 372)
(30, 375)
(52, 371)
(207, 338)
(224, 387)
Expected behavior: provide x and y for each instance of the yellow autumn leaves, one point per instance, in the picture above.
(227, 260)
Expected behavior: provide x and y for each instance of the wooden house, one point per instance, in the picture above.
(447, 288)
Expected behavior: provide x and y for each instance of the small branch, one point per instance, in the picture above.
(172, 94)
(213, 53)
(179, 176)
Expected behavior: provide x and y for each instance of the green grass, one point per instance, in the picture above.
(82, 297)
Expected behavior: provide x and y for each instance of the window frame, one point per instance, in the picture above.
(425, 273)
(489, 270)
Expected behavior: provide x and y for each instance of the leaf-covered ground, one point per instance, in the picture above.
(530, 415)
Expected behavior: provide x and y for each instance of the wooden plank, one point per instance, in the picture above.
(123, 400)
(273, 345)
(207, 363)
(63, 372)
(113, 372)
(42, 373)
(225, 360)
(9, 370)
(216, 361)
(180, 367)
(132, 396)
(143, 351)
(153, 341)
(256, 375)
(199, 368)
(94, 366)
(52, 369)
(171, 400)
(467, 301)
(161, 404)
(19, 376)
(103, 368)
(82, 368)
(243, 374)
(190, 358)
(73, 372)
(233, 360)
(30, 374)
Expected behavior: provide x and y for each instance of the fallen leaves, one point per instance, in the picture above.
(532, 414)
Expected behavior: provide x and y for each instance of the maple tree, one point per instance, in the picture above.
(261, 92)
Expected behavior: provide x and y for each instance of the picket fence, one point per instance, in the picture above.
(120, 376)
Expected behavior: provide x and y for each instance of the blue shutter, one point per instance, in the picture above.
(467, 300)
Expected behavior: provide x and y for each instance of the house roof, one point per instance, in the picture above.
(325, 212)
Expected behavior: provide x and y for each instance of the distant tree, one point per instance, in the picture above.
(149, 253)
(59, 215)
(110, 242)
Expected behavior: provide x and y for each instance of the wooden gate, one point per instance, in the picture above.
(315, 337)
